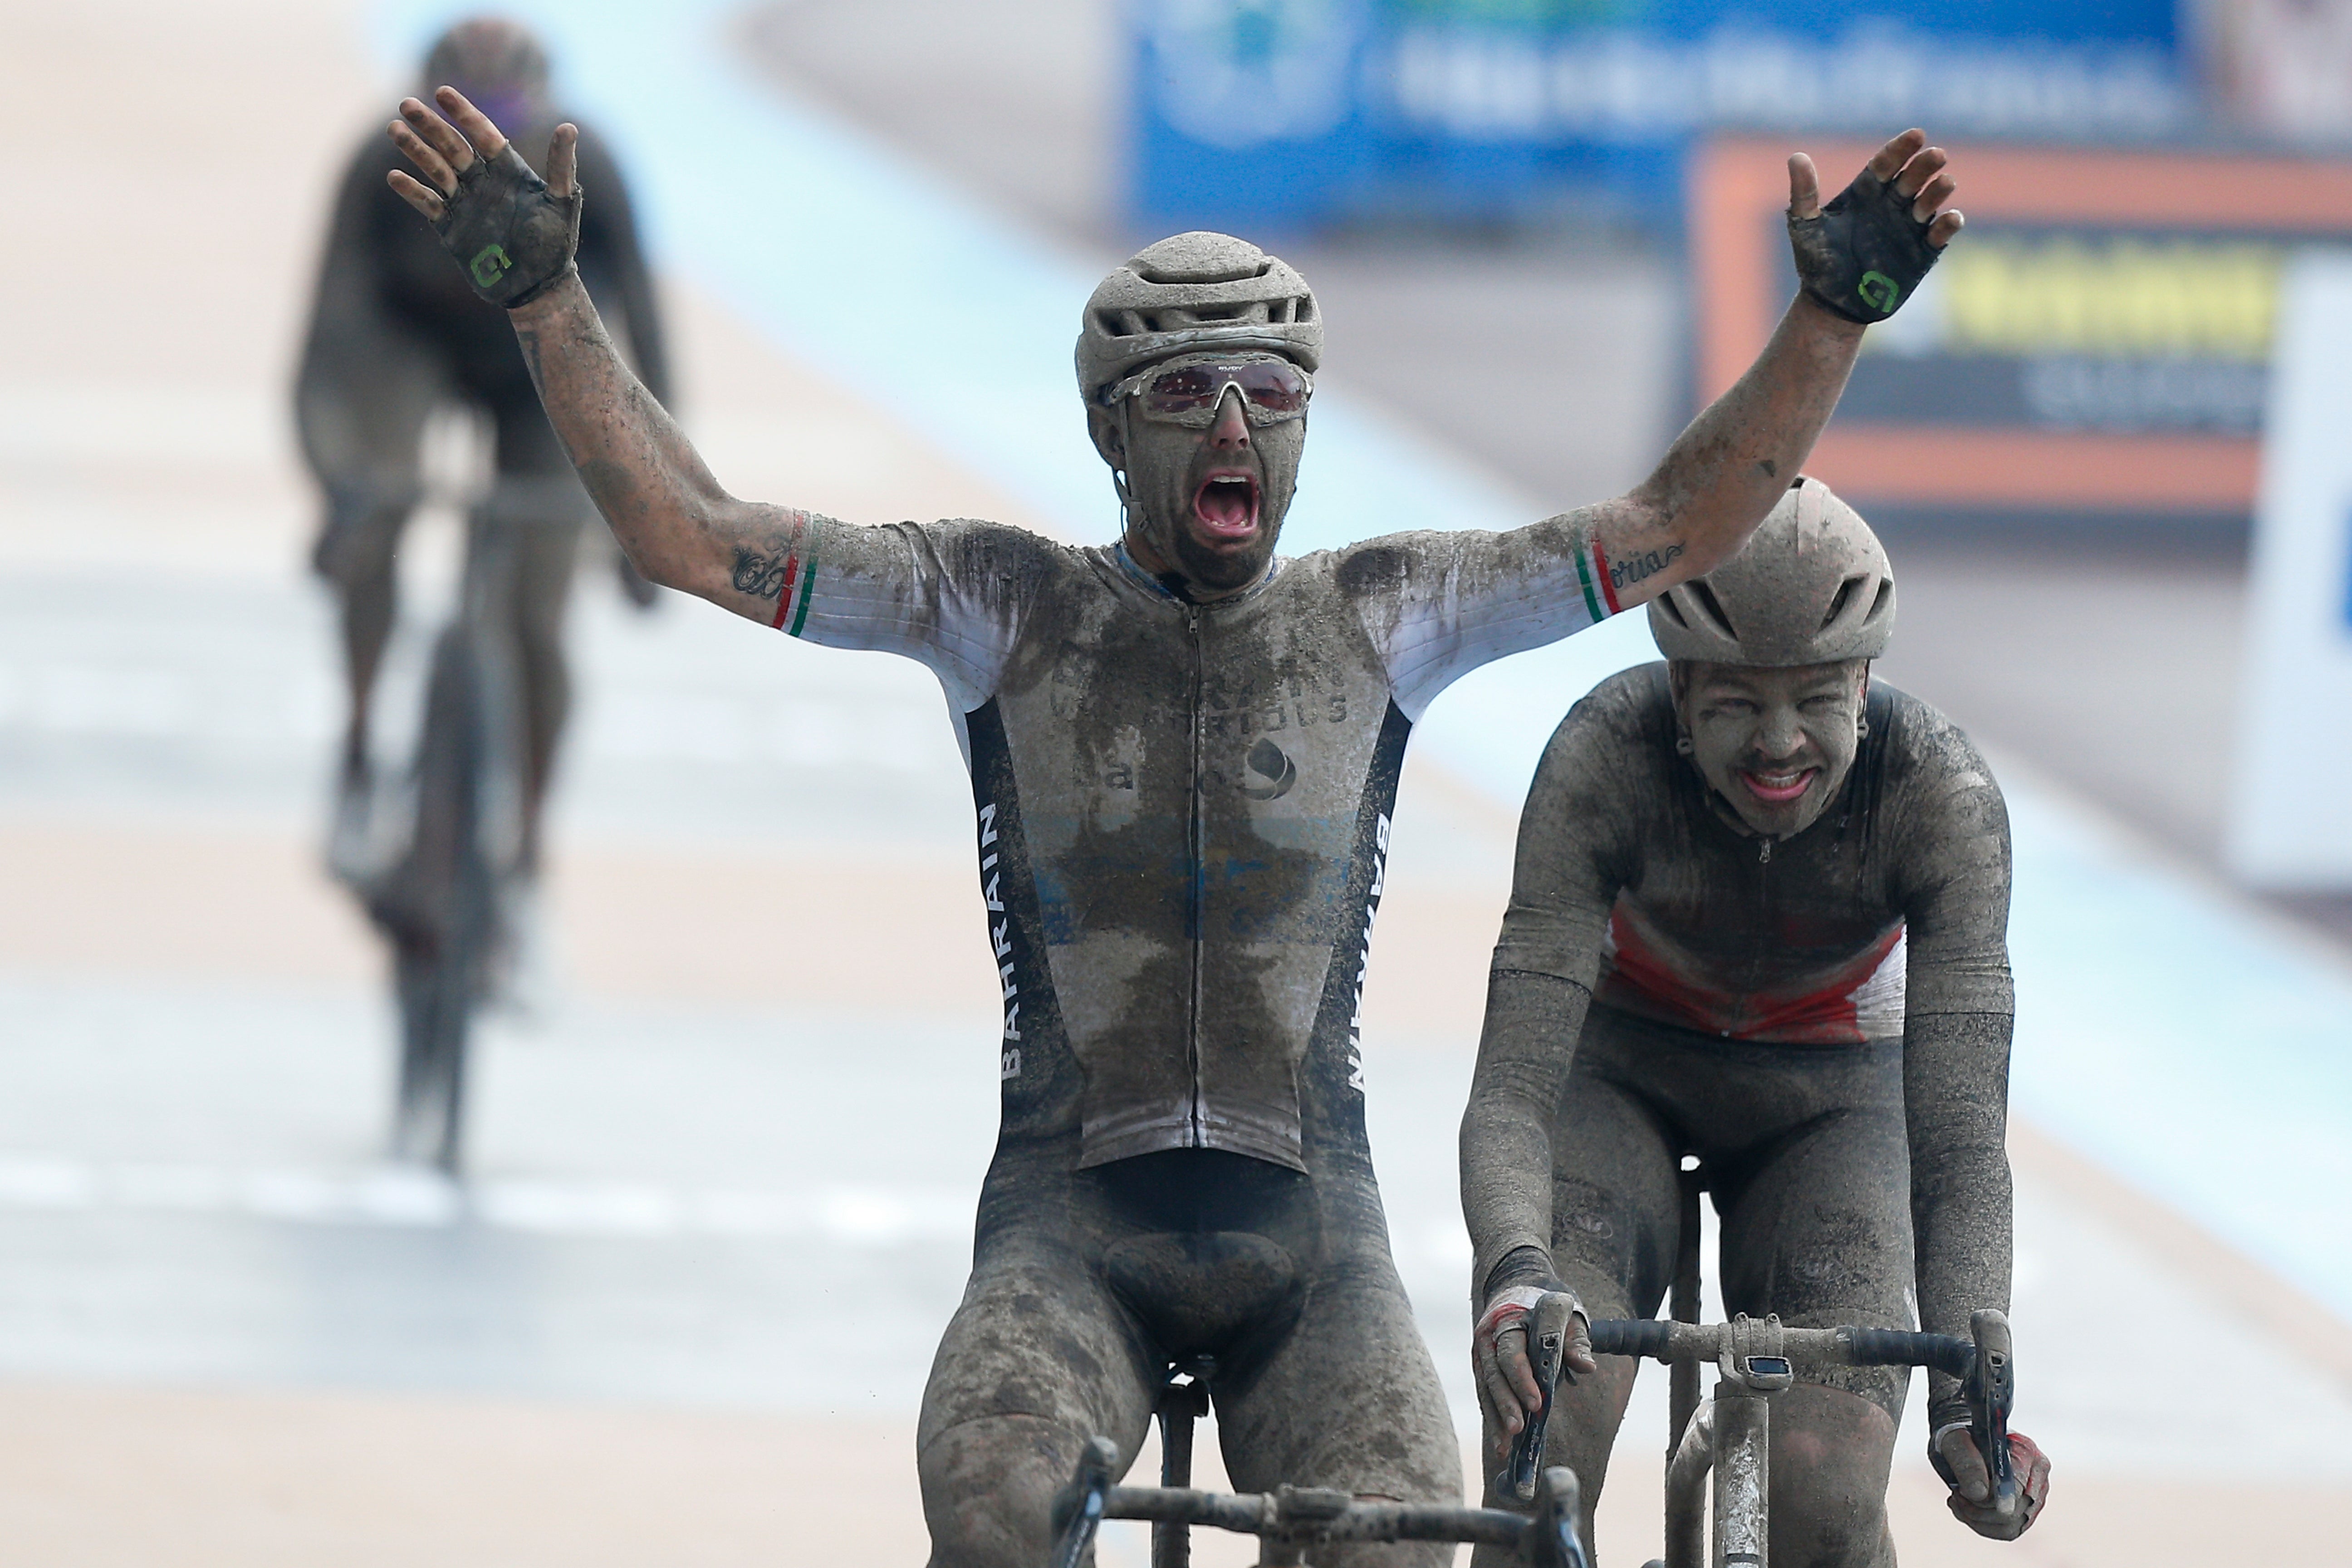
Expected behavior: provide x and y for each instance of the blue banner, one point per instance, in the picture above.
(1256, 113)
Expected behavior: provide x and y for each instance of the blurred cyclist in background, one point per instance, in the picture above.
(1760, 922)
(396, 333)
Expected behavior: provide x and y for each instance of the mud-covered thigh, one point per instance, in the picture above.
(1349, 1398)
(1039, 1335)
(1820, 1232)
(1038, 1359)
(1615, 1204)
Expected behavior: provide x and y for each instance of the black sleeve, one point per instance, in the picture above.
(1546, 963)
(612, 264)
(1958, 1015)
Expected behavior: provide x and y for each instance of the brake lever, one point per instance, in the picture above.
(1990, 1389)
(1548, 1347)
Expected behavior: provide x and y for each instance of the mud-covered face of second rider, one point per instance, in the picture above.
(1207, 493)
(1774, 744)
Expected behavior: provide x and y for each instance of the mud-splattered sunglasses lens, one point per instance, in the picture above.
(1190, 393)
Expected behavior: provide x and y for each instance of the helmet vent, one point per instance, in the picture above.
(1878, 602)
(1671, 611)
(1712, 607)
(1839, 601)
(1242, 273)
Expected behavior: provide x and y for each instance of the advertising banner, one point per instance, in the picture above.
(2290, 828)
(2097, 343)
(1251, 114)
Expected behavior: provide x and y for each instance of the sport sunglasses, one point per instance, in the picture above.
(1272, 391)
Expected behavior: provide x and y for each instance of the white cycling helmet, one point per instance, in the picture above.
(1811, 586)
(1195, 292)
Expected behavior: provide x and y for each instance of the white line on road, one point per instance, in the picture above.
(393, 1195)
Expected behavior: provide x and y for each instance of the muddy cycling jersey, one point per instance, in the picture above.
(1183, 807)
(1805, 940)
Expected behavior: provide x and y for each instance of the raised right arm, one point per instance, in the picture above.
(679, 525)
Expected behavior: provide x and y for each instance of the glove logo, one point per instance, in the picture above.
(492, 263)
(1879, 291)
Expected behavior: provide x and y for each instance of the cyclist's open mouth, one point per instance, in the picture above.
(1224, 508)
(1778, 789)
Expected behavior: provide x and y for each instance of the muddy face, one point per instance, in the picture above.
(1208, 504)
(1775, 745)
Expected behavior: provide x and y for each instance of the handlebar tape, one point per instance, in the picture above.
(1631, 1336)
(1895, 1347)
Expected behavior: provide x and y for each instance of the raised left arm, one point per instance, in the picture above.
(1728, 468)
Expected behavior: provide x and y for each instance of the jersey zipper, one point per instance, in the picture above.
(1196, 913)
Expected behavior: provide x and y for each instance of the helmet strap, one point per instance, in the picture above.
(1119, 475)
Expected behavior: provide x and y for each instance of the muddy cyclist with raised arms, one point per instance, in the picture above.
(1184, 749)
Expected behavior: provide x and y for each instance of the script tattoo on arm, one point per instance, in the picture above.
(760, 574)
(1640, 568)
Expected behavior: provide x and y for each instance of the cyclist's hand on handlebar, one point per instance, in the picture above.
(1508, 1384)
(1972, 1500)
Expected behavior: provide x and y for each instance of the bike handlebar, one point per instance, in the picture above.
(1326, 1516)
(1296, 1518)
(1762, 1355)
(1807, 1350)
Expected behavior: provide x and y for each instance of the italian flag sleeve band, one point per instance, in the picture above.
(799, 579)
(1593, 577)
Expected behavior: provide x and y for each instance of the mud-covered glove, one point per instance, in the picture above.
(1864, 253)
(514, 237)
(1953, 1451)
(1526, 1302)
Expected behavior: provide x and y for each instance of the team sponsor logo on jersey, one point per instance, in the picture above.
(1272, 773)
(999, 941)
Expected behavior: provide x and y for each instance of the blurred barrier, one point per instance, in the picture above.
(1282, 112)
(2098, 343)
(2290, 827)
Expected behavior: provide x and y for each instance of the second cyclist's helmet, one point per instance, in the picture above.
(1811, 586)
(1193, 292)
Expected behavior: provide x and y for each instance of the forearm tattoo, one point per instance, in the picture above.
(758, 574)
(781, 569)
(1632, 569)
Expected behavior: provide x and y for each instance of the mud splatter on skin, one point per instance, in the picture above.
(1165, 465)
